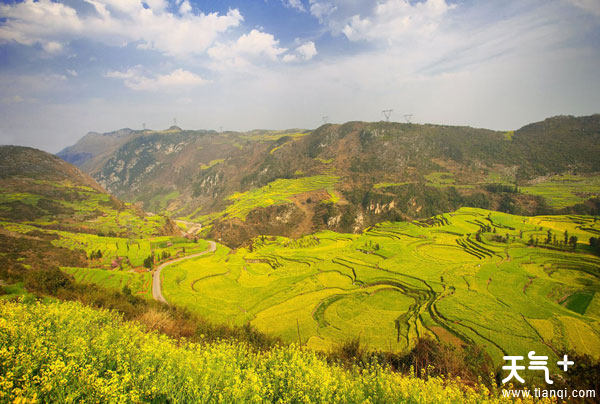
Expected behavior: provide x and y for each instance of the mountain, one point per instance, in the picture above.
(93, 146)
(348, 177)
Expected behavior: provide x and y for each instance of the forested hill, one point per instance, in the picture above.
(347, 177)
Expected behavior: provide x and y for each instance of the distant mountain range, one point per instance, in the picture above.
(344, 177)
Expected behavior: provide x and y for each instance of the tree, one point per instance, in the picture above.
(595, 245)
(573, 241)
(566, 237)
(149, 261)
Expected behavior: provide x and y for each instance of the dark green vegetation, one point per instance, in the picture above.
(382, 171)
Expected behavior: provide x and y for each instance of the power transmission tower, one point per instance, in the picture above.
(325, 119)
(144, 126)
(408, 118)
(220, 129)
(174, 121)
(387, 113)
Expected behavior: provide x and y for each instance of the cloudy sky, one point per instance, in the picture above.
(72, 66)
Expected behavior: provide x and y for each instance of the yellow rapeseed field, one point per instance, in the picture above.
(65, 352)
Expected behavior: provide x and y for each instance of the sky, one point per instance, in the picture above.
(68, 67)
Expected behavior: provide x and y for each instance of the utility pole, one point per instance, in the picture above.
(387, 113)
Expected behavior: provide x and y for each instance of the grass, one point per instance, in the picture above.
(389, 184)
(334, 197)
(561, 191)
(399, 281)
(160, 201)
(579, 302)
(212, 163)
(270, 136)
(440, 179)
(277, 192)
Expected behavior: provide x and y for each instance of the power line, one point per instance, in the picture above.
(387, 113)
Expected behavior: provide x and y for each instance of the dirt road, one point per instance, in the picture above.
(156, 286)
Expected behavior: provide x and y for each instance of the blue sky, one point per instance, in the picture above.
(72, 66)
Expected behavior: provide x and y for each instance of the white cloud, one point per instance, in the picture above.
(52, 47)
(321, 9)
(185, 7)
(72, 72)
(252, 46)
(305, 51)
(592, 6)
(395, 20)
(177, 80)
(297, 4)
(115, 22)
(389, 20)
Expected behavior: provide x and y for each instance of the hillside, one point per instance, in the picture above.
(375, 172)
(93, 147)
(42, 190)
(54, 216)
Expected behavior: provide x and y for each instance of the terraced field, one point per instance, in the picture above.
(565, 190)
(78, 208)
(139, 283)
(277, 192)
(468, 276)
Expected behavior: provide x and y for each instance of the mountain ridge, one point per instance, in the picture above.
(385, 171)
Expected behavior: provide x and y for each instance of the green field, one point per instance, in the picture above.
(453, 277)
(277, 192)
(561, 191)
(76, 208)
(130, 252)
(140, 284)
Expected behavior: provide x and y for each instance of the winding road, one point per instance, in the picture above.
(156, 287)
